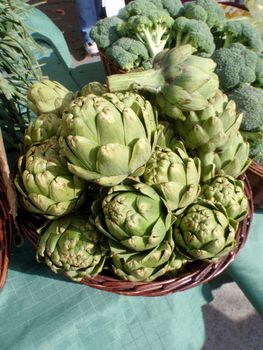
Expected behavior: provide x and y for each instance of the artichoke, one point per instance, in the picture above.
(42, 128)
(72, 245)
(45, 184)
(229, 192)
(132, 215)
(48, 97)
(175, 176)
(147, 265)
(93, 87)
(106, 139)
(204, 232)
(233, 160)
(180, 80)
(167, 137)
(211, 128)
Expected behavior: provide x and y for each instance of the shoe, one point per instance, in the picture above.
(91, 49)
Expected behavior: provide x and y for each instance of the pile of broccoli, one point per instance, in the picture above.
(249, 101)
(150, 26)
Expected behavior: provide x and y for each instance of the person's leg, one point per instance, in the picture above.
(88, 14)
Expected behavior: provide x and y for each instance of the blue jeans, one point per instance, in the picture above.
(89, 12)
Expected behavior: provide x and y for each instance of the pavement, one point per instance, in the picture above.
(231, 321)
(64, 15)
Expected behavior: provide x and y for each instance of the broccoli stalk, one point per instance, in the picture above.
(153, 33)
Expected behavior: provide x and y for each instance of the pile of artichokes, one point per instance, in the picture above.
(138, 187)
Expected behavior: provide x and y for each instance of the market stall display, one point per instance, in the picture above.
(154, 216)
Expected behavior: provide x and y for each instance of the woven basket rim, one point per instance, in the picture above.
(6, 226)
(256, 168)
(201, 272)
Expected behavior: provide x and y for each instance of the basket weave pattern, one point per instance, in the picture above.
(5, 233)
(197, 273)
(255, 177)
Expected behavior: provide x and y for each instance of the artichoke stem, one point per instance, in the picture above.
(149, 80)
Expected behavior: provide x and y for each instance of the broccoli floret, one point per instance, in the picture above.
(152, 30)
(235, 66)
(258, 158)
(259, 72)
(128, 54)
(215, 14)
(137, 7)
(104, 33)
(194, 32)
(174, 7)
(242, 32)
(249, 101)
(194, 11)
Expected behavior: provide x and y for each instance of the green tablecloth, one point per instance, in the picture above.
(247, 269)
(40, 310)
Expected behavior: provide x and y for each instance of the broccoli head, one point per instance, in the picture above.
(152, 30)
(255, 139)
(259, 72)
(194, 11)
(243, 32)
(235, 66)
(105, 32)
(249, 101)
(174, 7)
(128, 54)
(215, 14)
(137, 8)
(194, 32)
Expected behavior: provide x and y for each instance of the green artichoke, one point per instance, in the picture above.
(229, 192)
(204, 232)
(45, 184)
(132, 215)
(180, 80)
(233, 160)
(167, 137)
(147, 265)
(48, 97)
(72, 245)
(175, 176)
(42, 128)
(94, 88)
(108, 138)
(211, 128)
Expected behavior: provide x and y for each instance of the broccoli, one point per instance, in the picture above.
(242, 32)
(137, 8)
(174, 7)
(104, 33)
(215, 14)
(151, 29)
(255, 139)
(194, 32)
(194, 11)
(259, 72)
(258, 158)
(249, 101)
(235, 66)
(128, 54)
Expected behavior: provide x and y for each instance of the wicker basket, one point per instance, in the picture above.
(255, 177)
(6, 224)
(194, 274)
